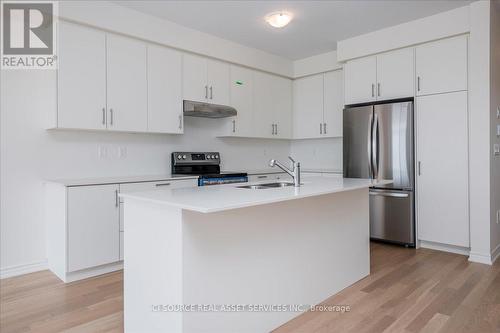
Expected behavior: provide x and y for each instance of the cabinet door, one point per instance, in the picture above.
(282, 107)
(333, 104)
(93, 226)
(81, 77)
(395, 76)
(218, 82)
(442, 168)
(242, 100)
(195, 87)
(164, 90)
(360, 80)
(441, 66)
(308, 107)
(263, 105)
(127, 84)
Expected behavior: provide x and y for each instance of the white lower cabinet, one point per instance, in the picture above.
(442, 169)
(85, 226)
(93, 226)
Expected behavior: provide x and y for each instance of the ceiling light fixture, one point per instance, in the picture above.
(279, 19)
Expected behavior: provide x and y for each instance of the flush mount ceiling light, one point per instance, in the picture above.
(279, 19)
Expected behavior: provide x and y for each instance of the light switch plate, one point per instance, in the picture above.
(498, 112)
(498, 130)
(498, 216)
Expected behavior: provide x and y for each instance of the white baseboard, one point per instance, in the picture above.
(480, 258)
(445, 247)
(91, 272)
(11, 271)
(495, 254)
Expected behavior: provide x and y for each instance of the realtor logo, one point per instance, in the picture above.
(28, 35)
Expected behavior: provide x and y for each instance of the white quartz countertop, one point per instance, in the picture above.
(161, 177)
(210, 199)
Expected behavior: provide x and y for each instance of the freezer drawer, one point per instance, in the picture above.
(392, 216)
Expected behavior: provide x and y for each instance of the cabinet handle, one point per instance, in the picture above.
(111, 118)
(261, 177)
(180, 121)
(418, 83)
(272, 129)
(276, 132)
(116, 198)
(324, 128)
(162, 184)
(211, 92)
(234, 126)
(320, 128)
(419, 165)
(206, 92)
(378, 89)
(104, 116)
(373, 90)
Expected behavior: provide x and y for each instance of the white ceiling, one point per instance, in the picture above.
(315, 29)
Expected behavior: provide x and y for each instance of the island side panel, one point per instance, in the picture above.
(152, 266)
(293, 252)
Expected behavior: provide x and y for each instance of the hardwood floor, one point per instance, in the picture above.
(407, 291)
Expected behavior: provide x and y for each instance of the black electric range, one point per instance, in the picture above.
(206, 165)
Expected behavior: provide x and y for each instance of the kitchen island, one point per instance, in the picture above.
(231, 259)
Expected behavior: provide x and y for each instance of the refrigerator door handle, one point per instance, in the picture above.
(375, 144)
(369, 146)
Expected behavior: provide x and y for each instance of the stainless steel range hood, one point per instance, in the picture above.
(206, 110)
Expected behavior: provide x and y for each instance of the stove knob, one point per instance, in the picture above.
(179, 157)
(216, 156)
(208, 157)
(213, 156)
(184, 157)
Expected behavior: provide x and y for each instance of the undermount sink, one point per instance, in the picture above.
(266, 185)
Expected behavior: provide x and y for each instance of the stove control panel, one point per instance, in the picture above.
(180, 158)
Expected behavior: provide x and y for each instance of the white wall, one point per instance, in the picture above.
(479, 131)
(320, 63)
(495, 103)
(30, 154)
(442, 25)
(318, 153)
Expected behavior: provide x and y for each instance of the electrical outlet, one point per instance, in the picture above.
(122, 152)
(102, 152)
(496, 149)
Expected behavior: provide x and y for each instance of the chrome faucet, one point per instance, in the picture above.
(294, 172)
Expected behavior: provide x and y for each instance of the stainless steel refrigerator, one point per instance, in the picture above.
(378, 144)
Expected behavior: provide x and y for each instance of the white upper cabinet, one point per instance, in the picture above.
(263, 126)
(395, 74)
(241, 92)
(126, 84)
(205, 80)
(333, 103)
(441, 66)
(360, 80)
(195, 86)
(218, 82)
(318, 102)
(382, 77)
(165, 109)
(272, 106)
(282, 107)
(81, 77)
(308, 107)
